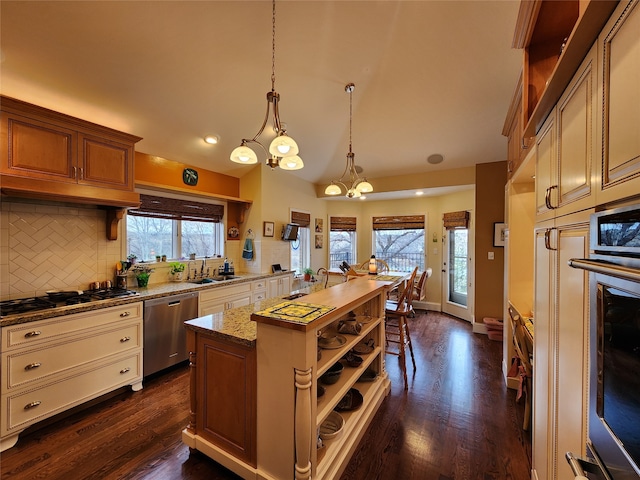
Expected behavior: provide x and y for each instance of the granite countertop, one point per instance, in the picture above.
(146, 293)
(235, 325)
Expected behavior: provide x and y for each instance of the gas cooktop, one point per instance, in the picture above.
(60, 299)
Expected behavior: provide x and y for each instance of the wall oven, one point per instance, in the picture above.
(614, 344)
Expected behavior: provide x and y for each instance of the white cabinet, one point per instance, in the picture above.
(619, 95)
(279, 285)
(51, 365)
(560, 369)
(565, 147)
(259, 290)
(219, 299)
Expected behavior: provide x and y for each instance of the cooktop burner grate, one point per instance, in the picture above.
(34, 304)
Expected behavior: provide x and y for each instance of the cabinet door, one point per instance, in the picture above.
(546, 161)
(37, 149)
(571, 298)
(226, 392)
(273, 287)
(285, 285)
(560, 345)
(542, 387)
(105, 162)
(576, 124)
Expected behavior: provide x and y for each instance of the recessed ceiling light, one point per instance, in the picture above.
(419, 192)
(211, 139)
(435, 159)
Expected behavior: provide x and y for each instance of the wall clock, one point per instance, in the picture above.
(190, 176)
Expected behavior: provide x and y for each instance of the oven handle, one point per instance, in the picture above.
(607, 268)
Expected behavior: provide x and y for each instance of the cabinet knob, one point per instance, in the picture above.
(125, 339)
(33, 365)
(125, 314)
(34, 333)
(125, 370)
(31, 405)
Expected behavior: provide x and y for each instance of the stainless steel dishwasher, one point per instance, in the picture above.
(165, 340)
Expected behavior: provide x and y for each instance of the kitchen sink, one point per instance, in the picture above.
(203, 280)
(219, 278)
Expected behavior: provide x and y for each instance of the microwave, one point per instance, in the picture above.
(616, 232)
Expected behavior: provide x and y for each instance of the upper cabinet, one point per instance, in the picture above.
(619, 96)
(565, 147)
(555, 36)
(47, 154)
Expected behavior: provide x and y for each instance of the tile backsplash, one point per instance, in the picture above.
(47, 246)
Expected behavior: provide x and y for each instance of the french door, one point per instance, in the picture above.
(457, 294)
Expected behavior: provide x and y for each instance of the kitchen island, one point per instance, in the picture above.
(255, 406)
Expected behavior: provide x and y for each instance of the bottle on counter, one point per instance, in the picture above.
(226, 265)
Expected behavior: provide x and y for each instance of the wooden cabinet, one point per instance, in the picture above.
(560, 370)
(565, 147)
(290, 412)
(226, 392)
(50, 155)
(619, 95)
(517, 145)
(265, 424)
(279, 285)
(555, 36)
(51, 365)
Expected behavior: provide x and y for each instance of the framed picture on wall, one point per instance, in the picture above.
(318, 241)
(498, 234)
(267, 229)
(318, 225)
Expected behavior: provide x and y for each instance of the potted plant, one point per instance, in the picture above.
(142, 273)
(307, 274)
(176, 269)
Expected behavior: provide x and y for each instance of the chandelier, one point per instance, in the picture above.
(283, 151)
(353, 185)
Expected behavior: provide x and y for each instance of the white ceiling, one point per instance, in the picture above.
(431, 77)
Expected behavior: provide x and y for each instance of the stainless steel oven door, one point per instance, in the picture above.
(614, 365)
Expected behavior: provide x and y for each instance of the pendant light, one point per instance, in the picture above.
(283, 151)
(353, 185)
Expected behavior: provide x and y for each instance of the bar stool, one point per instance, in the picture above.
(396, 327)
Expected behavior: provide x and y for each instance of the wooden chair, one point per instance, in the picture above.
(383, 267)
(325, 273)
(396, 327)
(525, 369)
(419, 290)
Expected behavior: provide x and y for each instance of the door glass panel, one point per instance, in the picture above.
(458, 266)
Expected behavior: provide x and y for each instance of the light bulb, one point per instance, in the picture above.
(332, 189)
(291, 163)
(283, 146)
(364, 187)
(244, 155)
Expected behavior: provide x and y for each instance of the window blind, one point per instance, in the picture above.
(398, 222)
(176, 209)
(453, 220)
(342, 224)
(301, 218)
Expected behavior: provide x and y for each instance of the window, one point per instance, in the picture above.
(176, 228)
(300, 250)
(342, 241)
(399, 240)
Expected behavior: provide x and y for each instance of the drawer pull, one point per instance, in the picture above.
(31, 405)
(125, 370)
(125, 339)
(125, 314)
(33, 365)
(34, 333)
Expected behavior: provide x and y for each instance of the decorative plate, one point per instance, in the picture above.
(329, 343)
(363, 348)
(351, 401)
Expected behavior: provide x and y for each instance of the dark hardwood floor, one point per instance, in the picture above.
(457, 421)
